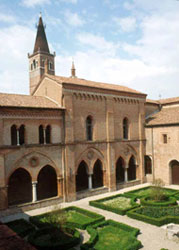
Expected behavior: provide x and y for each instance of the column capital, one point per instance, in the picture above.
(34, 182)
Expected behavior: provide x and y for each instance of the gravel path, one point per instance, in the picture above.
(152, 237)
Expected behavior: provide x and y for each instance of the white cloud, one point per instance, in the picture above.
(73, 19)
(13, 58)
(98, 42)
(126, 24)
(7, 18)
(32, 3)
(69, 1)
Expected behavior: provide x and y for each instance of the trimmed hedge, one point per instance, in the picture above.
(99, 204)
(145, 202)
(151, 220)
(53, 240)
(94, 218)
(21, 227)
(133, 194)
(92, 230)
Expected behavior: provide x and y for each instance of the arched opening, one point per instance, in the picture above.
(46, 183)
(13, 135)
(97, 178)
(175, 172)
(41, 135)
(132, 169)
(19, 187)
(89, 128)
(48, 134)
(125, 128)
(82, 177)
(22, 135)
(120, 170)
(147, 164)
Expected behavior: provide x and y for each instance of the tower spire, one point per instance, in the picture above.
(41, 43)
(73, 70)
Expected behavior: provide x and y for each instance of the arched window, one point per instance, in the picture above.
(34, 64)
(22, 135)
(125, 128)
(148, 165)
(47, 133)
(41, 135)
(13, 135)
(89, 128)
(50, 66)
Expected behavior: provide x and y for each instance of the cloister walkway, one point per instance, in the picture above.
(152, 237)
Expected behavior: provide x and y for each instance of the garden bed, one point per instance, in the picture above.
(121, 237)
(169, 201)
(144, 192)
(118, 204)
(73, 216)
(21, 227)
(156, 215)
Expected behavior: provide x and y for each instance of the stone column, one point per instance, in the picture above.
(44, 134)
(60, 186)
(18, 138)
(3, 197)
(34, 191)
(125, 175)
(90, 186)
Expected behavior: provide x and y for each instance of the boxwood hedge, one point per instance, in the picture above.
(170, 202)
(21, 227)
(99, 204)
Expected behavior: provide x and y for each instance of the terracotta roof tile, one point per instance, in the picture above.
(83, 82)
(27, 101)
(169, 100)
(167, 115)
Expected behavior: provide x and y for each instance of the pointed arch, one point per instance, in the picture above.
(132, 169)
(48, 134)
(174, 165)
(82, 177)
(97, 178)
(41, 135)
(19, 187)
(125, 128)
(13, 135)
(89, 128)
(22, 135)
(46, 183)
(120, 170)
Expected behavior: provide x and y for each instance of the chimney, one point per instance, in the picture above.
(73, 70)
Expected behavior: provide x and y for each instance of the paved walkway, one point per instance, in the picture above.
(152, 237)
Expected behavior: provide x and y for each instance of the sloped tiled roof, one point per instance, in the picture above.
(87, 83)
(167, 116)
(27, 101)
(152, 101)
(169, 100)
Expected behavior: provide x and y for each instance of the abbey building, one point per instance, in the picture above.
(72, 138)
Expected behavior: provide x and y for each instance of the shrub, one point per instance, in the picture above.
(146, 201)
(53, 238)
(102, 203)
(157, 192)
(21, 227)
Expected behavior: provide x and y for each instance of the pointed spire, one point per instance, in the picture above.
(41, 40)
(73, 70)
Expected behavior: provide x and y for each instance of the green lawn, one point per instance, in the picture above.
(119, 202)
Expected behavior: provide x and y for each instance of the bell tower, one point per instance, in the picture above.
(41, 60)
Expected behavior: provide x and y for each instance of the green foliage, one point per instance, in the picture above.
(156, 215)
(169, 201)
(21, 227)
(74, 216)
(54, 238)
(157, 192)
(118, 204)
(121, 237)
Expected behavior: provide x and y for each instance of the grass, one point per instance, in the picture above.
(143, 192)
(114, 235)
(119, 202)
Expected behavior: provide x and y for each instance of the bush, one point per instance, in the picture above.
(21, 227)
(146, 201)
(99, 204)
(45, 220)
(156, 215)
(53, 238)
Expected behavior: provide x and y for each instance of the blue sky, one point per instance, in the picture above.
(127, 42)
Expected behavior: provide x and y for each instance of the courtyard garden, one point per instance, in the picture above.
(59, 230)
(154, 204)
